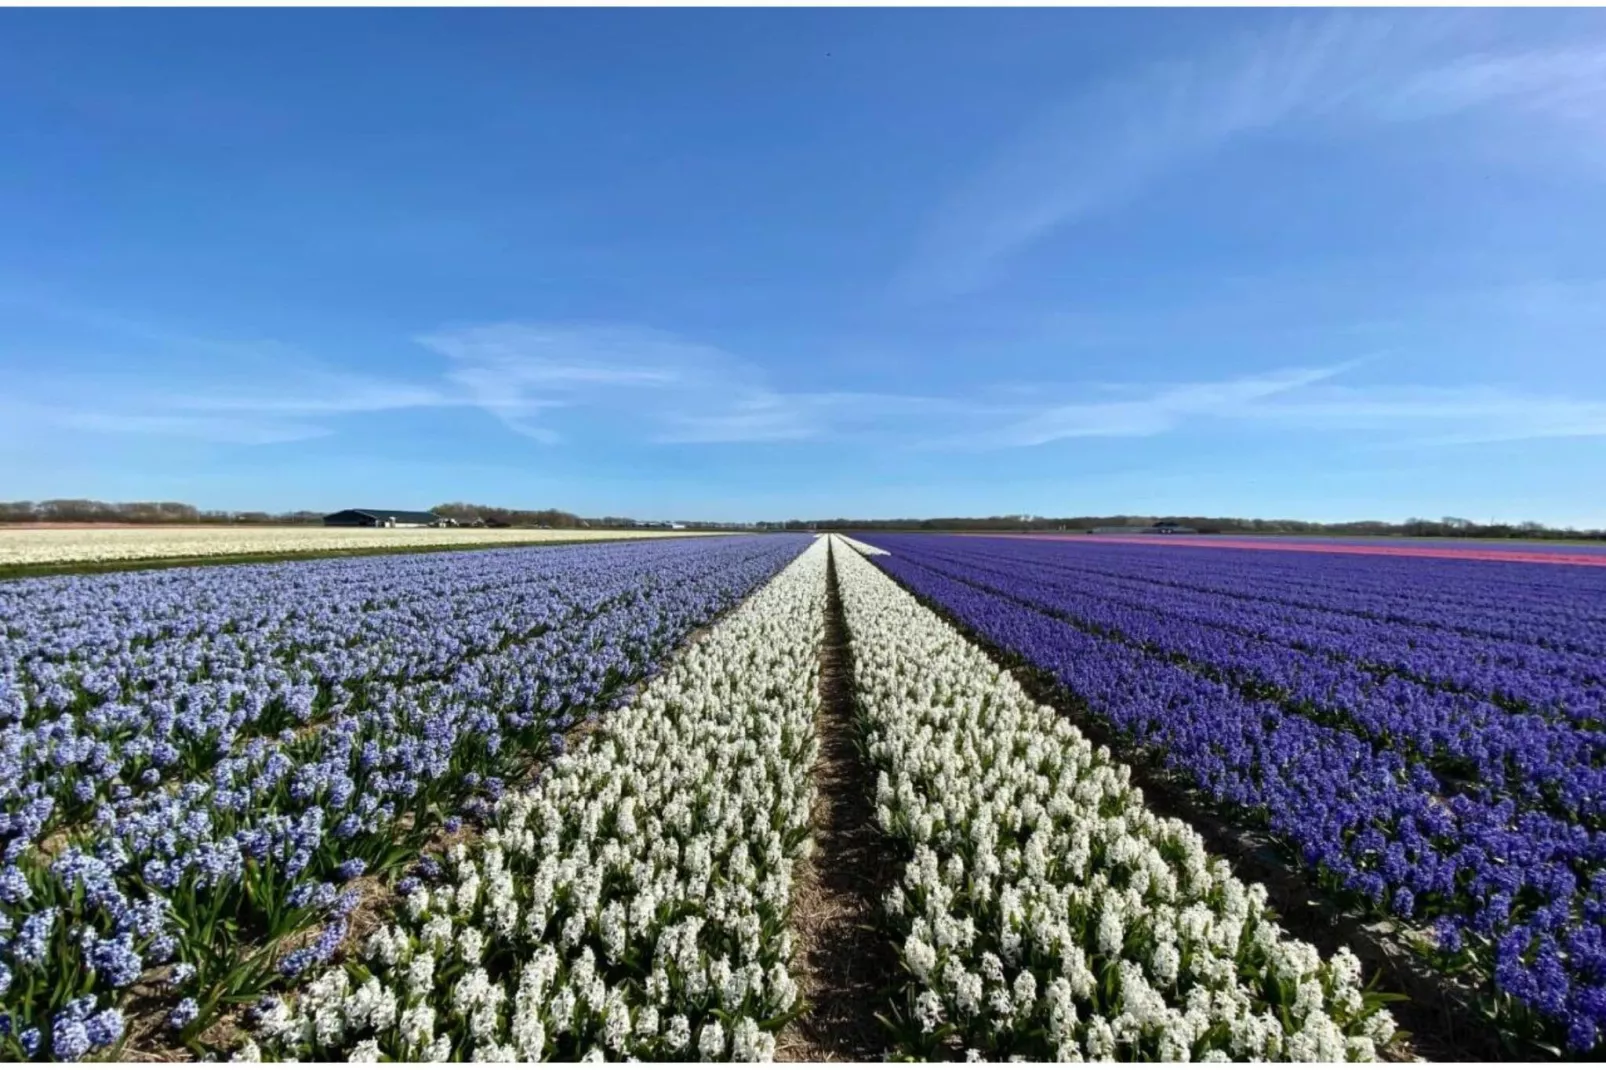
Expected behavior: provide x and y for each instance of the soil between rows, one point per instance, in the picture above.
(843, 967)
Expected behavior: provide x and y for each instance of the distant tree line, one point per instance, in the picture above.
(85, 511)
(495, 516)
(499, 517)
(1445, 527)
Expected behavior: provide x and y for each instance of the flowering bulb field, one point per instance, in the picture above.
(90, 545)
(633, 903)
(1043, 911)
(206, 770)
(560, 803)
(1426, 736)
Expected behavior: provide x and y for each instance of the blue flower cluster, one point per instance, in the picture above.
(1538, 756)
(1457, 632)
(1394, 778)
(186, 745)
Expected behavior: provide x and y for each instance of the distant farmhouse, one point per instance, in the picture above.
(1164, 527)
(385, 518)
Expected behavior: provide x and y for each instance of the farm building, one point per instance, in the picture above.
(383, 518)
(1164, 527)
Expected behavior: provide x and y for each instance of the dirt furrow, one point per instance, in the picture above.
(843, 967)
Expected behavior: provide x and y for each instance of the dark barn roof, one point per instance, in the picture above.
(402, 516)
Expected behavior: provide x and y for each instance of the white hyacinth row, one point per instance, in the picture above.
(1043, 911)
(633, 904)
(863, 547)
(42, 546)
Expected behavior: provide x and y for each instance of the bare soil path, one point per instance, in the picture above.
(843, 967)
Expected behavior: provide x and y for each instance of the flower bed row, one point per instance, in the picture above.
(1556, 681)
(862, 547)
(1509, 601)
(634, 902)
(151, 542)
(1517, 899)
(114, 685)
(1472, 744)
(1043, 911)
(192, 876)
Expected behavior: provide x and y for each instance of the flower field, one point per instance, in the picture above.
(634, 903)
(52, 546)
(1425, 737)
(207, 769)
(1043, 911)
(1588, 555)
(553, 803)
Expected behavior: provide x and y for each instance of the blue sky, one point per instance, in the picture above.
(758, 264)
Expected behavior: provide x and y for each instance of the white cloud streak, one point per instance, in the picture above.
(1447, 416)
(658, 388)
(225, 429)
(667, 389)
(1102, 149)
(322, 395)
(521, 372)
(1564, 83)
(550, 382)
(1164, 410)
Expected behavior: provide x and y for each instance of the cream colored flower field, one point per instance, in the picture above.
(48, 546)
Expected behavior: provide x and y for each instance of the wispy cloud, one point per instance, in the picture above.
(552, 382)
(1565, 83)
(35, 421)
(886, 418)
(321, 395)
(762, 417)
(1100, 149)
(520, 373)
(210, 428)
(288, 407)
(657, 386)
(1160, 411)
(1448, 416)
(234, 391)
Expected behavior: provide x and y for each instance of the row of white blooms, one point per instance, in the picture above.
(863, 547)
(1043, 911)
(635, 902)
(41, 546)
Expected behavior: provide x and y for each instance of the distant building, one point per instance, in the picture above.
(384, 518)
(1164, 527)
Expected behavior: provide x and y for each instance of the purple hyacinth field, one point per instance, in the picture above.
(1424, 737)
(204, 771)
